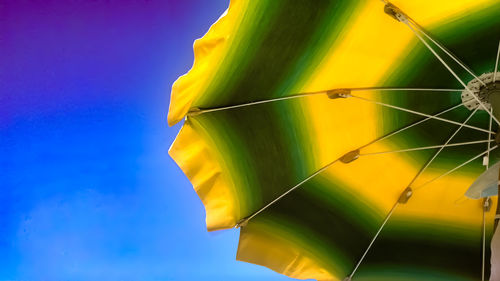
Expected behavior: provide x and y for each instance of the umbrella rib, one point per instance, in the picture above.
(424, 148)
(404, 89)
(406, 22)
(418, 28)
(456, 168)
(439, 151)
(409, 126)
(397, 202)
(245, 220)
(496, 64)
(400, 16)
(207, 110)
(373, 241)
(300, 95)
(403, 19)
(421, 114)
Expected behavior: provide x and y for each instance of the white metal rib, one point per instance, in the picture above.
(404, 89)
(442, 146)
(412, 125)
(456, 168)
(373, 240)
(301, 95)
(396, 204)
(421, 114)
(285, 193)
(441, 149)
(258, 102)
(417, 27)
(448, 67)
(325, 167)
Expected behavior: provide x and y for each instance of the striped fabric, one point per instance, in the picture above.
(241, 159)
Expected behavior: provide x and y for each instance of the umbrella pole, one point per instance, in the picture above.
(486, 208)
(494, 100)
(497, 214)
(495, 249)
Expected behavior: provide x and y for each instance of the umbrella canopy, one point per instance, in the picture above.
(341, 136)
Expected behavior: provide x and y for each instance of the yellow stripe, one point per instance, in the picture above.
(275, 248)
(443, 201)
(432, 12)
(209, 52)
(374, 45)
(367, 52)
(198, 158)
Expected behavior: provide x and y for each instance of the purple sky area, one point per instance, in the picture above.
(89, 192)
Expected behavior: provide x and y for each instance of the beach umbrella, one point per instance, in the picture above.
(344, 138)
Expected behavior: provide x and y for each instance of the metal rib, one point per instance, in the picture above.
(442, 146)
(300, 95)
(456, 168)
(446, 51)
(421, 114)
(373, 240)
(439, 151)
(449, 68)
(245, 220)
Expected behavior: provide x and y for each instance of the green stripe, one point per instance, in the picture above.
(336, 226)
(406, 250)
(267, 146)
(430, 248)
(470, 38)
(278, 43)
(333, 223)
(268, 151)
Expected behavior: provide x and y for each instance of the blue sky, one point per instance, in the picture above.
(89, 191)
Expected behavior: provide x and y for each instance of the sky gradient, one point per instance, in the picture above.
(89, 191)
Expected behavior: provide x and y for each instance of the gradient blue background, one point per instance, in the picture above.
(88, 191)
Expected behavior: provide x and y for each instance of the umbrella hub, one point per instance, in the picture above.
(488, 93)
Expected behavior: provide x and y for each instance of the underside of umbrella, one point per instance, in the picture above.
(341, 136)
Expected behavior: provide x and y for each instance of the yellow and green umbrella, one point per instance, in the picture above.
(341, 136)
